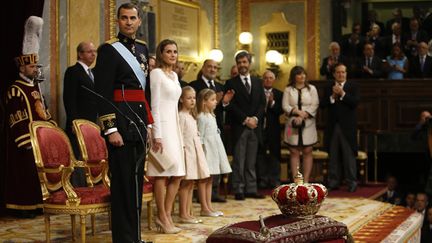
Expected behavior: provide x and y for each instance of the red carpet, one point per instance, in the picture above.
(370, 191)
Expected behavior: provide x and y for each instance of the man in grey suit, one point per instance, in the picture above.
(341, 99)
(245, 110)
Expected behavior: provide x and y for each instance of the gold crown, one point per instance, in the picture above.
(299, 199)
(27, 59)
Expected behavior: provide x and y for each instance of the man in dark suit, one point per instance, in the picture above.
(370, 21)
(246, 111)
(352, 44)
(341, 99)
(414, 37)
(426, 230)
(369, 66)
(120, 76)
(394, 38)
(421, 206)
(268, 164)
(427, 23)
(398, 18)
(421, 65)
(207, 81)
(179, 69)
(78, 102)
(392, 194)
(330, 61)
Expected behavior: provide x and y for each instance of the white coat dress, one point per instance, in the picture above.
(309, 103)
(214, 149)
(196, 163)
(165, 94)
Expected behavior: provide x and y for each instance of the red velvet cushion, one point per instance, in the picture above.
(282, 229)
(95, 171)
(54, 148)
(88, 195)
(95, 146)
(147, 187)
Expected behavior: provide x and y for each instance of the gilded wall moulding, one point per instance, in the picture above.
(311, 38)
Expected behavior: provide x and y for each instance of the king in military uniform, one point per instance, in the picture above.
(120, 77)
(24, 104)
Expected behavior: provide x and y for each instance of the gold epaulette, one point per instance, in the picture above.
(107, 121)
(112, 40)
(141, 41)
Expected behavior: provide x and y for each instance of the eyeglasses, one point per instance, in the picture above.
(90, 51)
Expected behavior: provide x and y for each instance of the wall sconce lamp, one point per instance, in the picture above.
(216, 54)
(274, 59)
(245, 39)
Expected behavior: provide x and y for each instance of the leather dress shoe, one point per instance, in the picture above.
(332, 188)
(254, 195)
(352, 188)
(239, 196)
(218, 199)
(274, 184)
(263, 185)
(329, 189)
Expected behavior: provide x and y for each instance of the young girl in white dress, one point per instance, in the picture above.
(214, 149)
(196, 164)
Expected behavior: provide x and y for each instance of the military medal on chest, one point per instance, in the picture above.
(144, 64)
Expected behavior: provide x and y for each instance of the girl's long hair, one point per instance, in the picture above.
(203, 96)
(193, 111)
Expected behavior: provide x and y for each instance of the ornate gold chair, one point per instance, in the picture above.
(93, 151)
(320, 157)
(94, 154)
(147, 197)
(362, 159)
(55, 162)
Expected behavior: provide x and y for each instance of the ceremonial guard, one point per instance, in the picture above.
(120, 77)
(24, 104)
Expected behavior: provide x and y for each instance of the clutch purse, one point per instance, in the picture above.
(161, 160)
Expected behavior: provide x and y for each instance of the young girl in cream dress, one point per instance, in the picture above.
(196, 164)
(213, 147)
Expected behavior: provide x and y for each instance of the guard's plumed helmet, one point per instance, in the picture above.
(32, 35)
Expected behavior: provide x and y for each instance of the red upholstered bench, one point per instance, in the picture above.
(280, 228)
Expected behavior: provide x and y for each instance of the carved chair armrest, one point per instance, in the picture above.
(79, 163)
(102, 164)
(73, 199)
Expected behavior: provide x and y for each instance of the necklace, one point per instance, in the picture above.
(169, 74)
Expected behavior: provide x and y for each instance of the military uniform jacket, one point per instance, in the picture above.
(113, 73)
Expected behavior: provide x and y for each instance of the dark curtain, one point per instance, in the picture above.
(13, 15)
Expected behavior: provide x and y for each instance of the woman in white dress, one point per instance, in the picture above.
(167, 137)
(300, 103)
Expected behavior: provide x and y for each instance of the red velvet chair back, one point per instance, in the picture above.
(52, 150)
(92, 147)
